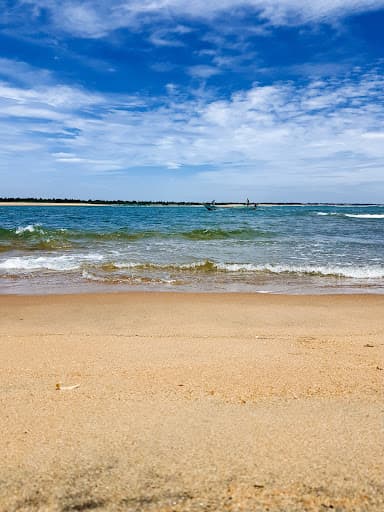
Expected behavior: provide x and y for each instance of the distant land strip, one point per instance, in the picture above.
(120, 202)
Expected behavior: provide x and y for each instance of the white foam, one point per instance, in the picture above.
(121, 279)
(71, 262)
(129, 265)
(89, 276)
(371, 272)
(58, 263)
(27, 229)
(374, 272)
(365, 215)
(354, 215)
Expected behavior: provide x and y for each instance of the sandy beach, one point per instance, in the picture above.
(219, 402)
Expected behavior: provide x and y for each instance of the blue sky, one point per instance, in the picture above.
(278, 100)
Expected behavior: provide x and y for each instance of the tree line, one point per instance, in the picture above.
(93, 201)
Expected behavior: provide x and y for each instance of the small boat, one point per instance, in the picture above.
(210, 206)
(234, 206)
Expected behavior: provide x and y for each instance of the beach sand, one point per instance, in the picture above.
(227, 402)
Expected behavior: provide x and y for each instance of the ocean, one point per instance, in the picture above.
(271, 249)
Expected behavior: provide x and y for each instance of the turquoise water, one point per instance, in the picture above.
(279, 249)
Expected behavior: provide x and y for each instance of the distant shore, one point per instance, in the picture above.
(43, 203)
(63, 202)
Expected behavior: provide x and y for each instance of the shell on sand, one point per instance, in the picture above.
(60, 387)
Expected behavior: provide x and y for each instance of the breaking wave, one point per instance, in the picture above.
(35, 237)
(96, 262)
(365, 215)
(220, 234)
(31, 228)
(56, 263)
(353, 215)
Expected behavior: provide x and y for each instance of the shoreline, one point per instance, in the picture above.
(195, 294)
(24, 203)
(105, 290)
(199, 205)
(187, 401)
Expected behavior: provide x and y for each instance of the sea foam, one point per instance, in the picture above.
(352, 215)
(365, 215)
(56, 263)
(319, 270)
(354, 272)
(31, 228)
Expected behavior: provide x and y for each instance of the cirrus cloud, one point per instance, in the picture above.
(97, 18)
(324, 130)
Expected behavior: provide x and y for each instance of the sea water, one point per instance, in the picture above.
(271, 249)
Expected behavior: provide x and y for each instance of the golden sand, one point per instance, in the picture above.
(191, 402)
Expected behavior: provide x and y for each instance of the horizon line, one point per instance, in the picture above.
(171, 202)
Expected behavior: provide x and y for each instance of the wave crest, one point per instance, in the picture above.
(352, 215)
(96, 262)
(36, 237)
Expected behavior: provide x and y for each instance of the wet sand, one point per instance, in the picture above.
(227, 402)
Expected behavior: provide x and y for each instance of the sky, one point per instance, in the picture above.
(192, 100)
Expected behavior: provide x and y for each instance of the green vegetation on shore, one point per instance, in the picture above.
(119, 202)
(93, 201)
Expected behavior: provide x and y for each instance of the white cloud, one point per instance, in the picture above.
(325, 133)
(23, 73)
(52, 96)
(93, 19)
(202, 71)
(373, 135)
